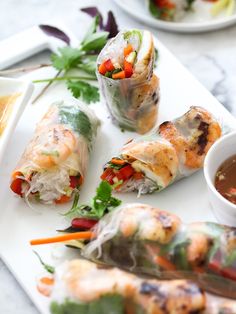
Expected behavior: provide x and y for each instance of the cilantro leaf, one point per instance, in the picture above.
(66, 58)
(101, 203)
(50, 269)
(83, 90)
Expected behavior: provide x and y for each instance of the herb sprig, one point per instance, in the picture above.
(101, 203)
(83, 58)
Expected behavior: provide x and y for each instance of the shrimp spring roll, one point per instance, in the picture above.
(83, 287)
(125, 75)
(173, 151)
(150, 241)
(54, 163)
(169, 10)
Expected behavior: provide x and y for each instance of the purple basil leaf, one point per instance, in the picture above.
(55, 32)
(111, 25)
(93, 11)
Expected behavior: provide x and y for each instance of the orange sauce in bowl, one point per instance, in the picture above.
(6, 106)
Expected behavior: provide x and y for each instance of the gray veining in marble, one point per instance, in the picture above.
(210, 57)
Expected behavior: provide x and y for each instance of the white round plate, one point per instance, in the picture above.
(200, 20)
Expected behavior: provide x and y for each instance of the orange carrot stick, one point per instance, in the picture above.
(118, 161)
(82, 235)
(164, 263)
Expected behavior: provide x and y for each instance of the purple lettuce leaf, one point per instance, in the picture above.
(111, 25)
(55, 32)
(93, 11)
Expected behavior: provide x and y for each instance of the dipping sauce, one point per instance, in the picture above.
(225, 179)
(6, 105)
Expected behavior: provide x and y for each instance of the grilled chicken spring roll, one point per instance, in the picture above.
(83, 287)
(175, 150)
(54, 163)
(169, 10)
(125, 75)
(150, 241)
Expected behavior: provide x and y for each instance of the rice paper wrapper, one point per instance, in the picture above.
(60, 145)
(132, 102)
(174, 150)
(149, 241)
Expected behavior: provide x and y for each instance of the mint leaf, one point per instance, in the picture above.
(95, 42)
(83, 90)
(66, 58)
(92, 29)
(78, 120)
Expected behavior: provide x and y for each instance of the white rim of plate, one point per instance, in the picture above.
(179, 27)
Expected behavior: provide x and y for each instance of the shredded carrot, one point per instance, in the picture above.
(128, 50)
(47, 281)
(63, 199)
(118, 161)
(83, 235)
(164, 263)
(119, 75)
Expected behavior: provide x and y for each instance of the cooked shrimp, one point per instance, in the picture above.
(192, 135)
(228, 240)
(148, 223)
(86, 282)
(55, 144)
(158, 160)
(198, 249)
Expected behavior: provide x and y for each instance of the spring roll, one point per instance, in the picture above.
(169, 10)
(173, 151)
(150, 241)
(83, 287)
(125, 75)
(54, 163)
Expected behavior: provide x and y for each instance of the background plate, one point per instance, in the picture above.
(19, 223)
(198, 21)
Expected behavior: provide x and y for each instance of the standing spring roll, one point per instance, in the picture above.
(175, 150)
(125, 75)
(169, 10)
(54, 163)
(83, 287)
(150, 241)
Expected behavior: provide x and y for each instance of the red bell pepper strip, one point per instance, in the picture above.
(83, 223)
(125, 173)
(128, 68)
(75, 181)
(16, 183)
(108, 175)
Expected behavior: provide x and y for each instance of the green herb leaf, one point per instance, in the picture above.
(66, 58)
(78, 120)
(83, 90)
(92, 29)
(112, 304)
(100, 204)
(95, 42)
(47, 267)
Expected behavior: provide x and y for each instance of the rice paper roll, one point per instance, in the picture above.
(169, 10)
(126, 78)
(150, 241)
(84, 287)
(54, 162)
(176, 149)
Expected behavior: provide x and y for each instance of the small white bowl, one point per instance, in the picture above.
(10, 87)
(224, 210)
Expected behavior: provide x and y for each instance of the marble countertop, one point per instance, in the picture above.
(209, 56)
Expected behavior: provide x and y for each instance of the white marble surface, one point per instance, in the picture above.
(209, 56)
